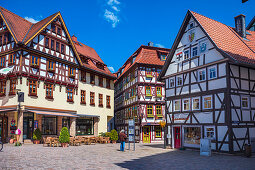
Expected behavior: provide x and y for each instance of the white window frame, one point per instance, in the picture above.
(205, 130)
(198, 102)
(209, 72)
(170, 82)
(198, 74)
(177, 82)
(204, 102)
(248, 102)
(183, 103)
(174, 105)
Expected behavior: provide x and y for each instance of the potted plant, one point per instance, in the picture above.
(37, 136)
(64, 137)
(114, 136)
(107, 135)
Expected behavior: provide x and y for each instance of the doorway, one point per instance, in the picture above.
(177, 137)
(3, 128)
(28, 125)
(146, 134)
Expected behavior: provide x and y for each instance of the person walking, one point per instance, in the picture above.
(123, 138)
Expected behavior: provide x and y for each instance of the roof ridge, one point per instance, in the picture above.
(15, 14)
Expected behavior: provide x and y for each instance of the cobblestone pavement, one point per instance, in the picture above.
(107, 156)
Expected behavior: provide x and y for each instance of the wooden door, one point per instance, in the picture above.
(3, 128)
(177, 137)
(146, 134)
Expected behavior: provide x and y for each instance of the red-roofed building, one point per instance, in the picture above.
(139, 95)
(64, 83)
(210, 84)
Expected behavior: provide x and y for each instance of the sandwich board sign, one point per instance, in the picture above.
(131, 132)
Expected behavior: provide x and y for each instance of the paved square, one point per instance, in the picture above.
(107, 156)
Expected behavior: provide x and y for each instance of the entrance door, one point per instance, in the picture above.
(177, 137)
(146, 134)
(28, 125)
(3, 128)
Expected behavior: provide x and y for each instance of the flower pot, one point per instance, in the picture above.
(11, 141)
(64, 145)
(114, 141)
(36, 142)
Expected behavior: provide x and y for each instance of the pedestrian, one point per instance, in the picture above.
(123, 138)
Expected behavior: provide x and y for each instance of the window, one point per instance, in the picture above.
(201, 75)
(100, 100)
(159, 92)
(148, 73)
(100, 81)
(195, 103)
(2, 88)
(179, 55)
(179, 81)
(34, 61)
(12, 87)
(207, 102)
(2, 61)
(47, 42)
(1, 39)
(186, 104)
(51, 66)
(177, 105)
(62, 48)
(53, 28)
(12, 59)
(210, 132)
(148, 91)
(92, 98)
(108, 104)
(192, 135)
(57, 46)
(84, 126)
(92, 79)
(70, 94)
(49, 91)
(245, 102)
(172, 82)
(186, 55)
(108, 85)
(158, 131)
(194, 52)
(5, 37)
(191, 25)
(159, 110)
(83, 76)
(149, 111)
(212, 72)
(32, 88)
(66, 122)
(59, 31)
(83, 97)
(71, 72)
(52, 44)
(49, 125)
(163, 57)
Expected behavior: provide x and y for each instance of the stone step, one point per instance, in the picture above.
(28, 141)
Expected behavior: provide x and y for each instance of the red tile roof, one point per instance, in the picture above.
(227, 40)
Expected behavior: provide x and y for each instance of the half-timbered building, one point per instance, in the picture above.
(65, 82)
(139, 95)
(210, 84)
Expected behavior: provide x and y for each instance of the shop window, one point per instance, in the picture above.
(195, 103)
(186, 104)
(84, 126)
(92, 98)
(12, 87)
(34, 61)
(71, 72)
(52, 44)
(192, 135)
(179, 81)
(245, 102)
(2, 61)
(108, 84)
(12, 59)
(2, 88)
(49, 91)
(108, 102)
(171, 82)
(100, 100)
(70, 92)
(148, 91)
(186, 55)
(212, 72)
(32, 88)
(100, 79)
(50, 66)
(177, 105)
(62, 48)
(210, 132)
(83, 97)
(150, 111)
(92, 78)
(49, 125)
(158, 131)
(83, 76)
(159, 92)
(208, 102)
(46, 42)
(202, 75)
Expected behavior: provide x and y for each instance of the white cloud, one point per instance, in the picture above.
(111, 69)
(159, 45)
(113, 2)
(30, 19)
(111, 17)
(115, 8)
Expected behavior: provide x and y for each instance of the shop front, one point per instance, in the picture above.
(87, 125)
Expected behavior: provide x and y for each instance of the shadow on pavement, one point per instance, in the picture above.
(154, 145)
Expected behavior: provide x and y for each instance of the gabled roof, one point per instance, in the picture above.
(223, 37)
(144, 55)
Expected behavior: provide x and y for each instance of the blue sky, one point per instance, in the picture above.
(116, 28)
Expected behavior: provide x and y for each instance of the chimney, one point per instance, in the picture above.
(74, 38)
(150, 44)
(240, 25)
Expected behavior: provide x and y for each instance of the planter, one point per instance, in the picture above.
(11, 141)
(114, 141)
(64, 145)
(36, 142)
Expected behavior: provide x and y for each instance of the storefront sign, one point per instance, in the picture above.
(181, 117)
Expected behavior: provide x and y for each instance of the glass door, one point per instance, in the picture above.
(28, 125)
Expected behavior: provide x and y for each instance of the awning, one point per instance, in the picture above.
(83, 115)
(7, 110)
(54, 113)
